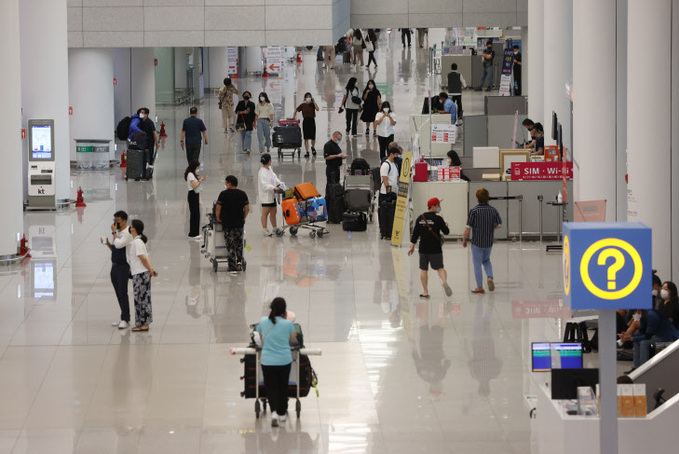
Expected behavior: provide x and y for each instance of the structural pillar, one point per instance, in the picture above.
(143, 79)
(594, 104)
(218, 66)
(10, 129)
(91, 95)
(44, 78)
(649, 96)
(533, 60)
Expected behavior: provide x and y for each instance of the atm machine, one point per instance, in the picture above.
(41, 165)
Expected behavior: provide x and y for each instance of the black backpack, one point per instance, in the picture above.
(123, 128)
(360, 166)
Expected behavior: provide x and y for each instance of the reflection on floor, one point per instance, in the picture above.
(398, 374)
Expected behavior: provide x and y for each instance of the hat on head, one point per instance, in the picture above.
(433, 201)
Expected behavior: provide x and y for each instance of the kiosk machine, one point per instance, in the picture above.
(41, 165)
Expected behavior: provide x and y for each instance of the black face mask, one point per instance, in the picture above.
(246, 98)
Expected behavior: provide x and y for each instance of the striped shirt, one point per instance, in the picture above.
(482, 220)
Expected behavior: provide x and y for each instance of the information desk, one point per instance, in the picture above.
(453, 206)
(418, 123)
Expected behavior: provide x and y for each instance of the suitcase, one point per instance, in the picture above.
(354, 221)
(386, 213)
(291, 212)
(335, 200)
(287, 134)
(249, 381)
(357, 182)
(357, 199)
(315, 209)
(346, 57)
(139, 164)
(305, 191)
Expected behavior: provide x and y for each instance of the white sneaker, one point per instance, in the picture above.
(116, 323)
(274, 420)
(123, 324)
(266, 232)
(282, 418)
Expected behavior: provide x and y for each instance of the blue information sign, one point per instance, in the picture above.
(607, 265)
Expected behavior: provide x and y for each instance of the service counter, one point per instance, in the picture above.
(454, 208)
(418, 123)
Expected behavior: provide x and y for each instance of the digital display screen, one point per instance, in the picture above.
(542, 356)
(556, 355)
(41, 142)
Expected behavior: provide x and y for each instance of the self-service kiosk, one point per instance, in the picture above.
(41, 165)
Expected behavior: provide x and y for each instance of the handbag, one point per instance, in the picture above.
(432, 231)
(369, 46)
(240, 124)
(219, 105)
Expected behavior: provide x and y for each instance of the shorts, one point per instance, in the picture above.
(269, 205)
(435, 260)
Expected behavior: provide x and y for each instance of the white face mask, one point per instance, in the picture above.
(371, 86)
(438, 210)
(308, 100)
(654, 292)
(636, 317)
(664, 294)
(142, 116)
(450, 162)
(385, 110)
(516, 52)
(262, 98)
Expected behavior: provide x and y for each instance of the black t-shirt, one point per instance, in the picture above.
(329, 149)
(491, 52)
(248, 118)
(430, 237)
(193, 126)
(233, 203)
(517, 68)
(671, 311)
(540, 143)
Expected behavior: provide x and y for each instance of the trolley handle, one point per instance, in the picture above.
(252, 351)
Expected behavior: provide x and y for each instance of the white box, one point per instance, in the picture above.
(486, 157)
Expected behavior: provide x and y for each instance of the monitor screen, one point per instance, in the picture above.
(41, 142)
(565, 382)
(541, 356)
(566, 355)
(555, 122)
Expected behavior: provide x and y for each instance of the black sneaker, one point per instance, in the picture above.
(306, 155)
(313, 151)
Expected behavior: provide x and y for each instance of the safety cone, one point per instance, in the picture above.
(123, 159)
(80, 201)
(299, 57)
(265, 74)
(23, 249)
(162, 129)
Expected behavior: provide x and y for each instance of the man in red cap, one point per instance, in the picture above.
(428, 228)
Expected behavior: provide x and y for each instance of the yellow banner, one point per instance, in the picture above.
(399, 229)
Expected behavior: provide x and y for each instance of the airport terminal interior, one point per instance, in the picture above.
(398, 373)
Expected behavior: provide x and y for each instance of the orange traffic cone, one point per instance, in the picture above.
(80, 201)
(162, 129)
(23, 250)
(299, 57)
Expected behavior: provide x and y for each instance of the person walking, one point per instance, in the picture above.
(352, 103)
(268, 182)
(120, 269)
(192, 128)
(428, 228)
(263, 122)
(141, 271)
(245, 110)
(405, 35)
(193, 181)
(358, 44)
(308, 109)
(385, 122)
(372, 100)
(231, 209)
(225, 97)
(371, 47)
(482, 221)
(332, 153)
(388, 193)
(276, 333)
(488, 55)
(329, 57)
(422, 33)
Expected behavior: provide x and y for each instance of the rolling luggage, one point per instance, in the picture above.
(354, 221)
(315, 209)
(305, 191)
(139, 165)
(250, 382)
(357, 199)
(291, 212)
(287, 134)
(386, 213)
(335, 201)
(346, 57)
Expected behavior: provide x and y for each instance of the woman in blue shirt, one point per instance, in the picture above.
(276, 332)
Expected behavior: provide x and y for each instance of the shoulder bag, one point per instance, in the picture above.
(431, 230)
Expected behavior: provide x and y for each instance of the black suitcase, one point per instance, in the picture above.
(249, 383)
(139, 165)
(355, 221)
(287, 135)
(346, 57)
(386, 213)
(357, 199)
(359, 166)
(334, 198)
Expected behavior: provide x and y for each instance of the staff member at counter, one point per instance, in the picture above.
(538, 134)
(454, 161)
(529, 125)
(448, 107)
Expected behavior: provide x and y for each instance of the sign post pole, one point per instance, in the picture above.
(608, 419)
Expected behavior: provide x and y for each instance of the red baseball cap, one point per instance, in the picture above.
(433, 201)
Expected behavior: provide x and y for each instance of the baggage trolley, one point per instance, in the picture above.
(359, 195)
(302, 376)
(303, 214)
(214, 245)
(287, 136)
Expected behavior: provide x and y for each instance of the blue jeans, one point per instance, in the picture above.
(487, 72)
(642, 350)
(263, 133)
(481, 256)
(246, 137)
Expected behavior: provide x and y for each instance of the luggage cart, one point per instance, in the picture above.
(287, 136)
(302, 376)
(305, 222)
(359, 195)
(214, 245)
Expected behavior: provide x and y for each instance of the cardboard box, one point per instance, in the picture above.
(619, 401)
(627, 401)
(639, 400)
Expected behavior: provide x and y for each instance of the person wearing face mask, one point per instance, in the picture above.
(372, 99)
(352, 103)
(487, 56)
(308, 109)
(142, 271)
(141, 124)
(516, 68)
(385, 122)
(263, 121)
(245, 111)
(194, 183)
(332, 153)
(448, 107)
(657, 287)
(653, 327)
(454, 161)
(538, 134)
(670, 306)
(371, 46)
(268, 182)
(482, 221)
(192, 128)
(428, 229)
(225, 97)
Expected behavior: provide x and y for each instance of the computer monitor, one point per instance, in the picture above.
(555, 122)
(566, 355)
(565, 382)
(541, 356)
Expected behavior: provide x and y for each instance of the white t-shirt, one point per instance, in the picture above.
(136, 248)
(389, 170)
(349, 104)
(191, 177)
(385, 129)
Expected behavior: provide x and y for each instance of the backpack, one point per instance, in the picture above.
(123, 128)
(360, 166)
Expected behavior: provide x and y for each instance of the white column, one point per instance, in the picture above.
(143, 79)
(534, 58)
(649, 151)
(91, 95)
(558, 66)
(44, 77)
(121, 91)
(254, 59)
(621, 116)
(594, 104)
(675, 150)
(218, 66)
(10, 129)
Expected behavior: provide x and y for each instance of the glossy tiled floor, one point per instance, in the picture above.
(397, 375)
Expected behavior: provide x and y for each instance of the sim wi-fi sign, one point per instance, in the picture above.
(607, 265)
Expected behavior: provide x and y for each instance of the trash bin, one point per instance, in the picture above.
(92, 154)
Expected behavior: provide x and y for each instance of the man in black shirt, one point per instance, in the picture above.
(120, 269)
(428, 228)
(192, 128)
(488, 55)
(147, 126)
(517, 71)
(332, 153)
(231, 210)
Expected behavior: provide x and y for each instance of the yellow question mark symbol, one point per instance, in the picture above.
(618, 263)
